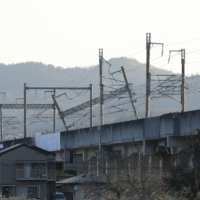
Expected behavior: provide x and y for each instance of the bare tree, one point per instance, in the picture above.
(186, 174)
(122, 183)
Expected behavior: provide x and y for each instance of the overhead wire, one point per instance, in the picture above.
(138, 66)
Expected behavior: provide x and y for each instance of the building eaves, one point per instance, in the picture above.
(31, 147)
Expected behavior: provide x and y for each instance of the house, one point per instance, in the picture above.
(27, 171)
(49, 142)
(84, 186)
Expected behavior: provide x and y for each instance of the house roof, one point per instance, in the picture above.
(83, 178)
(28, 146)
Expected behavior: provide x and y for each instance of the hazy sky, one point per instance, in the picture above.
(69, 33)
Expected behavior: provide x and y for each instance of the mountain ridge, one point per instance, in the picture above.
(13, 77)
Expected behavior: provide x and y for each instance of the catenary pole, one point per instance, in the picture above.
(183, 109)
(148, 74)
(54, 113)
(25, 112)
(91, 106)
(101, 87)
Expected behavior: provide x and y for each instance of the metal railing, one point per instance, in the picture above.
(36, 174)
(79, 165)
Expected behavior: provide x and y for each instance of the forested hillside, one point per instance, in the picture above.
(164, 100)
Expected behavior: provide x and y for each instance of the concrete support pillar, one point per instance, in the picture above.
(139, 157)
(89, 167)
(175, 161)
(161, 166)
(139, 161)
(83, 155)
(106, 166)
(150, 164)
(123, 151)
(129, 166)
(178, 159)
(116, 168)
(98, 169)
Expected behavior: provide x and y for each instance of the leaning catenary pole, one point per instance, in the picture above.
(130, 94)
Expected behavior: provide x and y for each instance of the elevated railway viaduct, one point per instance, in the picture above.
(154, 142)
(151, 142)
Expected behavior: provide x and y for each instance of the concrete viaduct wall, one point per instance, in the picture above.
(169, 126)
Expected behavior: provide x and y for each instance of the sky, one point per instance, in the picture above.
(69, 33)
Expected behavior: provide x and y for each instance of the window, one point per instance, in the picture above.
(32, 192)
(71, 156)
(27, 192)
(22, 192)
(27, 170)
(8, 191)
(34, 170)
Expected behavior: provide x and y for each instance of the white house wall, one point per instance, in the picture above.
(49, 142)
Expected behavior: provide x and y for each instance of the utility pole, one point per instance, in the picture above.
(91, 106)
(1, 118)
(148, 74)
(25, 112)
(101, 87)
(54, 113)
(130, 93)
(183, 79)
(182, 76)
(101, 97)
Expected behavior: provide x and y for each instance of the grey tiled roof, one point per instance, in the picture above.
(83, 178)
